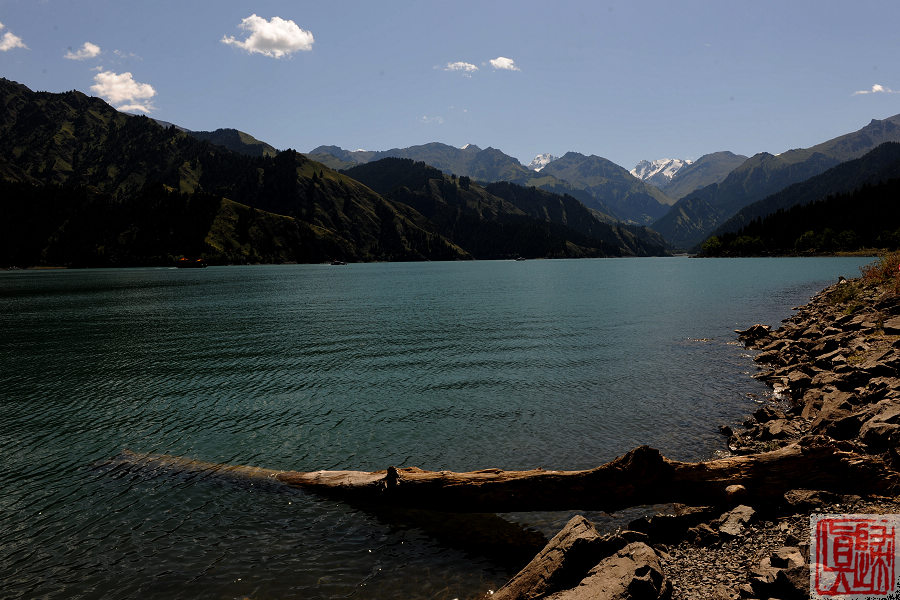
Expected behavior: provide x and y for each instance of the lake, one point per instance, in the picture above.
(561, 364)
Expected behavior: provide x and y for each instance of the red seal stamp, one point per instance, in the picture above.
(853, 556)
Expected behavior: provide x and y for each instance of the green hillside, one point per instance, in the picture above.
(108, 162)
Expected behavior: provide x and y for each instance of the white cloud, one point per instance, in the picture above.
(10, 41)
(276, 37)
(431, 120)
(506, 64)
(877, 89)
(465, 68)
(88, 50)
(123, 91)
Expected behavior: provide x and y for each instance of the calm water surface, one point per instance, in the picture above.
(560, 364)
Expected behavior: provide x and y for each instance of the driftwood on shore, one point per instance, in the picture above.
(640, 477)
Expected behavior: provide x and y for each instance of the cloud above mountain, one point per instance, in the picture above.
(122, 91)
(275, 38)
(87, 50)
(10, 41)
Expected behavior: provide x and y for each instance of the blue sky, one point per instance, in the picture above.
(623, 80)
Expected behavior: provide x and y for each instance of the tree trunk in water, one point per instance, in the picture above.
(642, 476)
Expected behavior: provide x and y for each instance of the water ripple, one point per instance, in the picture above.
(444, 366)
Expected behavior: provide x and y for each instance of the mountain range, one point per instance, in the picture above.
(698, 214)
(86, 185)
(493, 220)
(850, 206)
(597, 182)
(100, 183)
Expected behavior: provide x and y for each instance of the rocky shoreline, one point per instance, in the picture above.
(834, 368)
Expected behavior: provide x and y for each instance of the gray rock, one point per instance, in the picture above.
(883, 429)
(806, 500)
(892, 326)
(669, 527)
(778, 429)
(733, 523)
(702, 535)
(633, 573)
(564, 561)
(787, 557)
(767, 413)
(754, 334)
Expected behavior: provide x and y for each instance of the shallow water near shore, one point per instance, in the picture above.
(459, 366)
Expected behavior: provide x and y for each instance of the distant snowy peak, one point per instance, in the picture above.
(471, 148)
(540, 161)
(660, 171)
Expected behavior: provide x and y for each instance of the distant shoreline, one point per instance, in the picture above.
(868, 253)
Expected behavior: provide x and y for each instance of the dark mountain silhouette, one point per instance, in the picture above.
(698, 214)
(113, 166)
(850, 206)
(594, 181)
(489, 220)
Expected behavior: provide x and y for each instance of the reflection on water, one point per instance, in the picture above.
(559, 364)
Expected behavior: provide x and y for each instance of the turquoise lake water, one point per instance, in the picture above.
(560, 364)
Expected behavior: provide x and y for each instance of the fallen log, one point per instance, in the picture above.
(641, 477)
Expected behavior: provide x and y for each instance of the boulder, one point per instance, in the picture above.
(778, 429)
(787, 557)
(845, 426)
(865, 320)
(791, 584)
(753, 334)
(733, 523)
(879, 435)
(823, 347)
(632, 573)
(564, 561)
(806, 500)
(702, 535)
(881, 364)
(767, 413)
(830, 359)
(798, 381)
(776, 345)
(883, 429)
(892, 326)
(773, 356)
(670, 527)
(836, 405)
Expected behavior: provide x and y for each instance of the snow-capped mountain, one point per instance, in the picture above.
(659, 172)
(540, 161)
